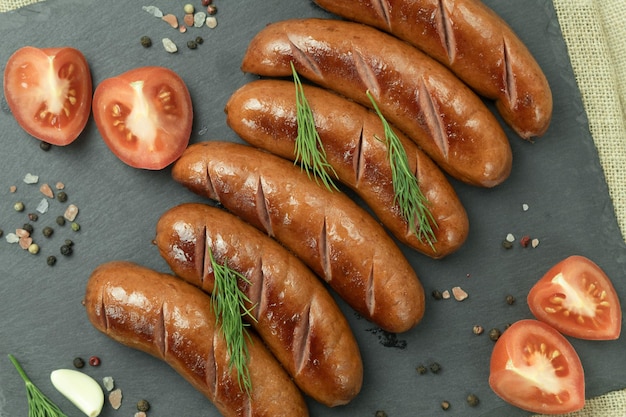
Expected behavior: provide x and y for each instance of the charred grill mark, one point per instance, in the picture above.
(382, 8)
(446, 33)
(302, 57)
(324, 252)
(261, 208)
(302, 340)
(358, 159)
(510, 89)
(434, 124)
(366, 74)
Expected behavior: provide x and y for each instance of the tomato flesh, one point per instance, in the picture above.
(49, 92)
(535, 368)
(144, 116)
(577, 298)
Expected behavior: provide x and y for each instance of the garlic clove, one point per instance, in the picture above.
(81, 389)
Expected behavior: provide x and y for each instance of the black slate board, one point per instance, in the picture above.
(43, 322)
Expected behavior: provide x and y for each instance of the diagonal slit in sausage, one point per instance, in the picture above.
(296, 316)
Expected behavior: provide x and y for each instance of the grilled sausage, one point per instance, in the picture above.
(413, 91)
(174, 321)
(294, 313)
(328, 231)
(263, 113)
(475, 43)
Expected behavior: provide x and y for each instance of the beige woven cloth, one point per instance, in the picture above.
(595, 33)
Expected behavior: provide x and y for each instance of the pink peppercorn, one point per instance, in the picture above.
(94, 361)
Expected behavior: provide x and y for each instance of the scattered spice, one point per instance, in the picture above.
(388, 339)
(25, 231)
(75, 226)
(434, 367)
(143, 405)
(205, 3)
(445, 405)
(472, 400)
(51, 260)
(59, 185)
(421, 369)
(494, 334)
(19, 206)
(94, 361)
(45, 146)
(507, 245)
(510, 300)
(211, 9)
(437, 295)
(145, 41)
(525, 241)
(140, 414)
(12, 189)
(477, 329)
(33, 217)
(78, 362)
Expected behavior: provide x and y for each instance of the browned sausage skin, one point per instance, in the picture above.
(328, 231)
(295, 315)
(475, 43)
(144, 309)
(263, 113)
(414, 92)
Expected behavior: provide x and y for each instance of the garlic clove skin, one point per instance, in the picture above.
(81, 389)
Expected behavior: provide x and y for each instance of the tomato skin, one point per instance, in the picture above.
(578, 299)
(49, 92)
(536, 380)
(144, 116)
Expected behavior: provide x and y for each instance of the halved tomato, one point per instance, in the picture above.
(535, 368)
(49, 92)
(144, 116)
(577, 298)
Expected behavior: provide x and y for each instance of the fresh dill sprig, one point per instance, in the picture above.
(309, 148)
(229, 304)
(38, 404)
(408, 195)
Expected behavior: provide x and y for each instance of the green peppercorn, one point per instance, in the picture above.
(69, 242)
(421, 369)
(79, 362)
(146, 42)
(199, 40)
(143, 405)
(60, 220)
(33, 217)
(75, 226)
(62, 196)
(51, 260)
(434, 367)
(44, 146)
(28, 227)
(445, 405)
(472, 400)
(66, 250)
(192, 44)
(510, 300)
(19, 206)
(47, 231)
(494, 334)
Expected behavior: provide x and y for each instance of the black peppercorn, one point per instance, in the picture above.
(79, 363)
(143, 405)
(146, 42)
(472, 400)
(192, 44)
(437, 295)
(45, 146)
(69, 242)
(51, 260)
(494, 334)
(506, 244)
(60, 220)
(47, 231)
(435, 367)
(199, 40)
(510, 300)
(33, 217)
(211, 10)
(66, 250)
(28, 227)
(62, 196)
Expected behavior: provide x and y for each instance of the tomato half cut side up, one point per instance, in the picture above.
(145, 116)
(49, 92)
(535, 368)
(578, 299)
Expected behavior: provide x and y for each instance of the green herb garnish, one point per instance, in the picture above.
(408, 195)
(309, 150)
(229, 303)
(38, 404)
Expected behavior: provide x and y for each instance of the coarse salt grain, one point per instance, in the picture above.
(169, 45)
(445, 295)
(153, 10)
(71, 212)
(12, 238)
(534, 243)
(199, 19)
(510, 238)
(108, 383)
(211, 22)
(43, 206)
(459, 293)
(525, 207)
(115, 398)
(31, 179)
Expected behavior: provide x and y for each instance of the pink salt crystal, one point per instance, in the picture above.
(71, 212)
(171, 20)
(115, 398)
(188, 19)
(46, 190)
(13, 188)
(22, 232)
(60, 186)
(182, 29)
(25, 242)
(140, 414)
(459, 294)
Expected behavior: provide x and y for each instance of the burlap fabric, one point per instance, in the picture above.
(595, 33)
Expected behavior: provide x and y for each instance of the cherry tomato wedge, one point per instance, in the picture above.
(577, 298)
(49, 92)
(535, 368)
(144, 116)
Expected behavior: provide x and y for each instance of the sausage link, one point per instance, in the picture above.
(414, 92)
(174, 321)
(475, 43)
(263, 113)
(328, 231)
(295, 315)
